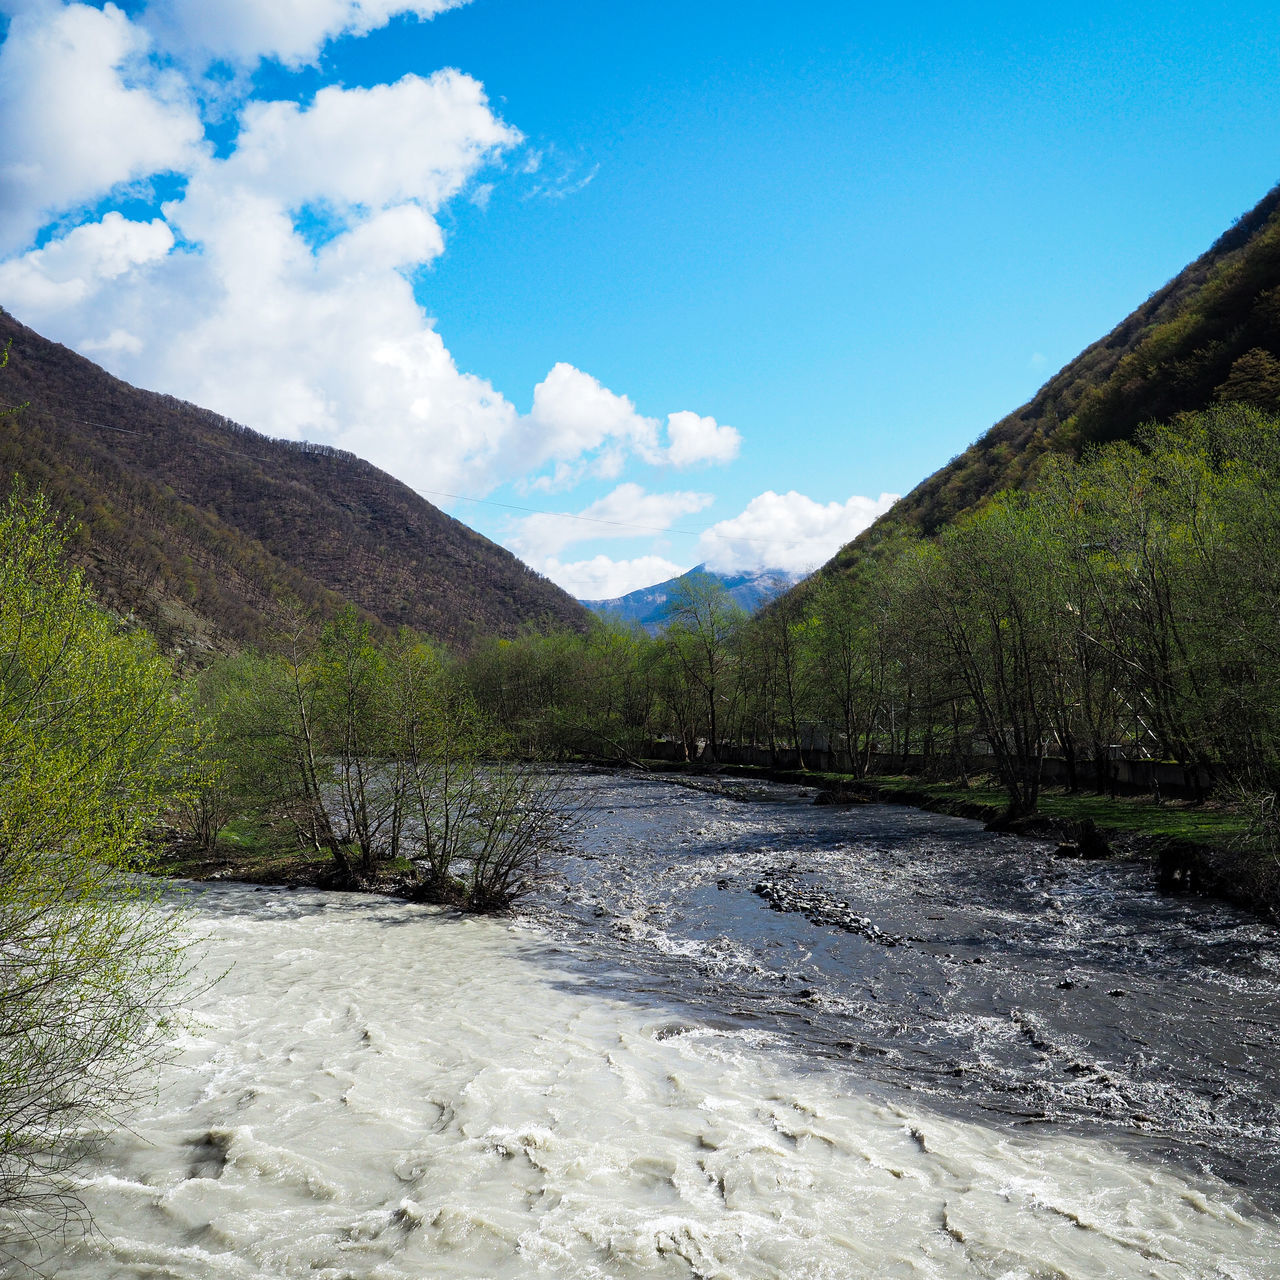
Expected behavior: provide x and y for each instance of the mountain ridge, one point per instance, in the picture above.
(202, 527)
(1211, 332)
(647, 606)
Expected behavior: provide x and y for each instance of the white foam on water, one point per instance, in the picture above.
(378, 1090)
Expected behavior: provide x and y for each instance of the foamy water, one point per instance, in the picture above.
(380, 1090)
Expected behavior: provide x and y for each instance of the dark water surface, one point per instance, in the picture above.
(662, 1078)
(918, 951)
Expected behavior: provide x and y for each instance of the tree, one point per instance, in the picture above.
(374, 754)
(986, 592)
(850, 652)
(440, 739)
(354, 721)
(772, 666)
(1254, 379)
(95, 739)
(704, 622)
(475, 821)
(268, 717)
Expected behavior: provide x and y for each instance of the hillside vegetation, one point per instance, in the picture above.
(208, 530)
(1114, 626)
(1211, 335)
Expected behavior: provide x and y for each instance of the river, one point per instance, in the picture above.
(948, 1054)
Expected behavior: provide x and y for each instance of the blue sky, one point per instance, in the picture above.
(836, 242)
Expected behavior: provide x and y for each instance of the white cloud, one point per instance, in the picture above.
(573, 415)
(694, 439)
(394, 238)
(603, 579)
(67, 271)
(245, 318)
(274, 289)
(117, 342)
(81, 112)
(291, 31)
(627, 512)
(418, 139)
(788, 531)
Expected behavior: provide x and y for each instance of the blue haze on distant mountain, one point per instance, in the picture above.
(649, 605)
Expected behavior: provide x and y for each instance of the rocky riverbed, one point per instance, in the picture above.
(923, 952)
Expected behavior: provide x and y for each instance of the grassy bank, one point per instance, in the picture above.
(1124, 817)
(249, 856)
(1197, 847)
(983, 799)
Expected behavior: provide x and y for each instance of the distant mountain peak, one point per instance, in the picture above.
(648, 606)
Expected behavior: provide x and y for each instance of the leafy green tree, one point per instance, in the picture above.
(95, 739)
(1254, 379)
(986, 592)
(1217, 477)
(376, 755)
(780, 637)
(852, 657)
(270, 715)
(212, 802)
(679, 700)
(440, 742)
(353, 719)
(704, 624)
(1089, 688)
(928, 712)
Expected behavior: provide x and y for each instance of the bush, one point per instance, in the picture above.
(95, 737)
(374, 754)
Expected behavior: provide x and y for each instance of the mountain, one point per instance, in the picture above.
(202, 527)
(648, 606)
(1212, 333)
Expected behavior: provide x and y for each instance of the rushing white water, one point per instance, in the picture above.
(379, 1090)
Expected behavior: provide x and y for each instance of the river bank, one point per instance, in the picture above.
(1193, 847)
(1196, 848)
(380, 1090)
(733, 1033)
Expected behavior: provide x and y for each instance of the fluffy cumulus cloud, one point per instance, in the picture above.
(577, 419)
(68, 271)
(600, 578)
(418, 139)
(83, 111)
(290, 31)
(228, 302)
(275, 287)
(788, 531)
(626, 512)
(574, 416)
(694, 439)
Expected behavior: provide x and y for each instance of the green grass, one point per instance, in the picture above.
(245, 852)
(248, 853)
(1208, 823)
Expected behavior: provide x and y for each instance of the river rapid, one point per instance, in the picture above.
(735, 1035)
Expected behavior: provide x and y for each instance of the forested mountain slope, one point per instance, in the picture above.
(1211, 334)
(203, 527)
